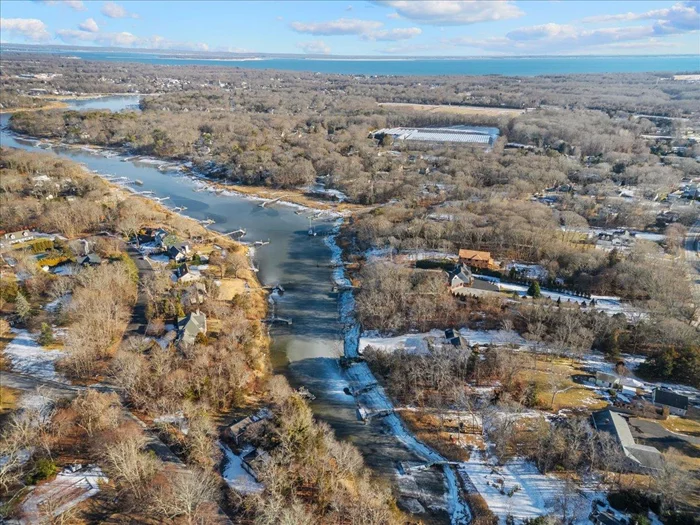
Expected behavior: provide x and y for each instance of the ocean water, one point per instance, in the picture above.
(510, 66)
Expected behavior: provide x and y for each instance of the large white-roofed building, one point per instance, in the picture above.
(459, 134)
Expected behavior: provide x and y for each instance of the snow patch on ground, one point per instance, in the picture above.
(60, 302)
(235, 475)
(29, 357)
(533, 494)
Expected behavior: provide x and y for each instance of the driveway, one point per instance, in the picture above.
(651, 433)
(138, 323)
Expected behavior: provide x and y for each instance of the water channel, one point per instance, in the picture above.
(306, 352)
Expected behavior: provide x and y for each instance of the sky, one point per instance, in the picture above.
(380, 27)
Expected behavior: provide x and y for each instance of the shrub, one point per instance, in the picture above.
(44, 468)
(480, 510)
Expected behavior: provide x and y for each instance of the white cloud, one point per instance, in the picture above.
(680, 17)
(392, 35)
(90, 25)
(365, 29)
(112, 10)
(342, 26)
(563, 38)
(314, 47)
(125, 39)
(76, 5)
(30, 29)
(453, 12)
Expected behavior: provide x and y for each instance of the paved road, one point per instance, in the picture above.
(138, 323)
(652, 431)
(692, 257)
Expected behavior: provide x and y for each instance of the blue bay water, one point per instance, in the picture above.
(509, 66)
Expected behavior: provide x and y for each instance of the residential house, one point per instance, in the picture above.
(677, 404)
(91, 259)
(460, 277)
(183, 274)
(180, 252)
(607, 380)
(455, 339)
(16, 237)
(236, 430)
(476, 259)
(190, 326)
(638, 458)
(159, 236)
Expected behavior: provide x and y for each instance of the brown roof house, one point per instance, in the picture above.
(476, 259)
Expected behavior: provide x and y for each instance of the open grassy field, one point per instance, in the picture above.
(458, 110)
(558, 374)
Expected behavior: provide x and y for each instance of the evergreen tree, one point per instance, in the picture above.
(46, 336)
(22, 307)
(534, 290)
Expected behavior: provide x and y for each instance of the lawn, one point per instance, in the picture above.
(230, 287)
(681, 425)
(559, 373)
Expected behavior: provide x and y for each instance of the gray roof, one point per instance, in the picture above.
(663, 396)
(90, 258)
(191, 325)
(460, 273)
(615, 424)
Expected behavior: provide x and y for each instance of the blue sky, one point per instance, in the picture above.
(381, 27)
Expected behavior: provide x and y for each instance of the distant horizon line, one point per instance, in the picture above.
(302, 56)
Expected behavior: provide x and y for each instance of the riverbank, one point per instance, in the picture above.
(53, 105)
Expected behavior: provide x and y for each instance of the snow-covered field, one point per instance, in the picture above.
(27, 356)
(518, 489)
(235, 475)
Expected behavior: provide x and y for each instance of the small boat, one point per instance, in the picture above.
(138, 182)
(312, 231)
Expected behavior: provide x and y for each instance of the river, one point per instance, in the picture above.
(306, 352)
